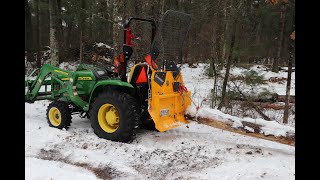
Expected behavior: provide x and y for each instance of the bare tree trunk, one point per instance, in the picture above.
(223, 54)
(68, 36)
(286, 109)
(28, 32)
(214, 90)
(111, 24)
(211, 67)
(54, 45)
(125, 6)
(38, 32)
(105, 15)
(275, 66)
(82, 5)
(81, 46)
(220, 32)
(162, 8)
(226, 24)
(45, 19)
(213, 44)
(137, 6)
(60, 33)
(91, 24)
(138, 28)
(229, 60)
(290, 62)
(152, 10)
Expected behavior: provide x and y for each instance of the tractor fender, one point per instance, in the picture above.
(98, 87)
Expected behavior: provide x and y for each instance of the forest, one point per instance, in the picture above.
(244, 31)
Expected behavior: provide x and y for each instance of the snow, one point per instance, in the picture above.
(64, 24)
(100, 44)
(249, 128)
(69, 66)
(39, 169)
(196, 79)
(193, 151)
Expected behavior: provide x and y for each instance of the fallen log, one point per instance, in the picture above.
(265, 105)
(281, 98)
(228, 127)
(270, 99)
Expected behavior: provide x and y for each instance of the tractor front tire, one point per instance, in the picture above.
(114, 116)
(59, 115)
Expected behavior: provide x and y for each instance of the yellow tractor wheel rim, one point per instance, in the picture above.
(55, 116)
(108, 118)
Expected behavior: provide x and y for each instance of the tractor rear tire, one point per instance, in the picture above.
(59, 115)
(114, 116)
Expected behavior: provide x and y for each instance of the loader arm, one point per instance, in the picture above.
(63, 84)
(45, 71)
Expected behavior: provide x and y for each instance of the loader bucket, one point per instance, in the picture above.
(168, 101)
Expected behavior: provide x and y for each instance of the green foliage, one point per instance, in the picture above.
(233, 94)
(251, 77)
(244, 66)
(266, 95)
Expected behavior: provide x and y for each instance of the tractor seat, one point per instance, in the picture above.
(138, 74)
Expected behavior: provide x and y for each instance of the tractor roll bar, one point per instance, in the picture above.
(127, 25)
(127, 46)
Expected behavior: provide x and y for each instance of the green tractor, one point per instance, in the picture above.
(117, 104)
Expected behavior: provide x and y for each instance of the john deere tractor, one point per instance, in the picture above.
(117, 102)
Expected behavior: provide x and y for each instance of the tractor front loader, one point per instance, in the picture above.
(116, 104)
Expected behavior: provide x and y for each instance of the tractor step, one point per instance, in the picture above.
(44, 93)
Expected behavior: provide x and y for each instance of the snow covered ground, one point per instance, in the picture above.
(197, 81)
(193, 151)
(200, 85)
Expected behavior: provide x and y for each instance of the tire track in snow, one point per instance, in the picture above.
(105, 172)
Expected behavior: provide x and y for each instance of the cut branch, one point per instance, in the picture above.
(251, 103)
